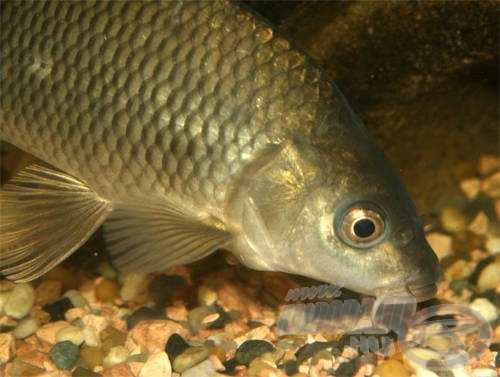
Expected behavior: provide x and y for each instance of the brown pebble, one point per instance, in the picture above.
(452, 220)
(470, 187)
(48, 291)
(92, 357)
(219, 352)
(391, 368)
(465, 241)
(111, 337)
(152, 335)
(119, 370)
(440, 243)
(7, 344)
(491, 185)
(64, 275)
(107, 290)
(47, 333)
(488, 164)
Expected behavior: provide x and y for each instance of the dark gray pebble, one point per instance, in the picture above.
(57, 308)
(371, 358)
(348, 369)
(144, 313)
(230, 366)
(251, 349)
(64, 354)
(290, 367)
(310, 349)
(479, 268)
(458, 285)
(175, 346)
(82, 372)
(162, 288)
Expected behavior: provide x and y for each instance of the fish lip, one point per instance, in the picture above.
(422, 292)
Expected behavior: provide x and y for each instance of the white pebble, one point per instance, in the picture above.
(133, 286)
(116, 355)
(493, 245)
(207, 296)
(440, 243)
(460, 372)
(72, 333)
(491, 185)
(90, 338)
(425, 373)
(26, 327)
(20, 301)
(4, 296)
(484, 372)
(452, 220)
(76, 298)
(489, 277)
(157, 365)
(485, 308)
(459, 269)
(479, 224)
(470, 187)
(207, 368)
(488, 164)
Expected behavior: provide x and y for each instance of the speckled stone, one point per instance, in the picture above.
(20, 301)
(189, 358)
(7, 344)
(152, 335)
(252, 349)
(64, 354)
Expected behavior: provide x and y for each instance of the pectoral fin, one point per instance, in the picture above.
(45, 215)
(152, 235)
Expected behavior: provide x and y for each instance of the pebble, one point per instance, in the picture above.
(458, 270)
(438, 343)
(189, 358)
(440, 243)
(452, 220)
(177, 312)
(20, 368)
(175, 346)
(425, 373)
(465, 241)
(142, 314)
(71, 333)
(76, 298)
(484, 372)
(133, 285)
(491, 185)
(488, 164)
(485, 308)
(207, 368)
(152, 335)
(48, 291)
(82, 372)
(111, 337)
(47, 333)
(470, 187)
(116, 355)
(391, 368)
(58, 309)
(7, 347)
(4, 296)
(107, 290)
(207, 296)
(493, 245)
(26, 327)
(163, 288)
(489, 277)
(479, 225)
(64, 354)
(92, 356)
(119, 370)
(201, 318)
(309, 349)
(157, 365)
(252, 349)
(20, 301)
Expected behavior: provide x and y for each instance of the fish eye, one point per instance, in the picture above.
(362, 225)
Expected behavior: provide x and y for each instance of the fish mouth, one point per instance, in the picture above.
(422, 292)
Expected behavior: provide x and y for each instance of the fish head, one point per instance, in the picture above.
(334, 209)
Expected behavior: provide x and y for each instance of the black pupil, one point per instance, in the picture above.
(364, 228)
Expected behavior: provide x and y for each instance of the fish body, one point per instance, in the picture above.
(188, 126)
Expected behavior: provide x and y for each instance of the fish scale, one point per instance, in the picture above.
(187, 126)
